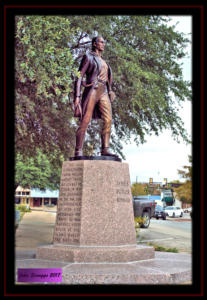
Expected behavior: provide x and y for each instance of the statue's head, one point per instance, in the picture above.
(98, 43)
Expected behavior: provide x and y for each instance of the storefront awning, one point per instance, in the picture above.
(36, 193)
(168, 200)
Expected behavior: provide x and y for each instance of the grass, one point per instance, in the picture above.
(163, 249)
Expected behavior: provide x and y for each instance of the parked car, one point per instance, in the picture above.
(188, 209)
(173, 211)
(159, 212)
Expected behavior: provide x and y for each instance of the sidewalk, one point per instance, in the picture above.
(35, 229)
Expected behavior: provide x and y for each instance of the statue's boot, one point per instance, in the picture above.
(105, 145)
(79, 144)
(78, 152)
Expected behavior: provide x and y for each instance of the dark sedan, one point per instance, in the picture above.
(159, 212)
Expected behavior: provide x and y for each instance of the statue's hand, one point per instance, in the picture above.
(76, 102)
(112, 96)
(77, 108)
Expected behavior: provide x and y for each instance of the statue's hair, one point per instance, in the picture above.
(94, 40)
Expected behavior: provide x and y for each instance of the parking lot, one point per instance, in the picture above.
(169, 233)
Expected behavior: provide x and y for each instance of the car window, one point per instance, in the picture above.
(159, 208)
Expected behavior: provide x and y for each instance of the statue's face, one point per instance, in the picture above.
(100, 44)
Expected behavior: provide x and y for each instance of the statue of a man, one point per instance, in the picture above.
(97, 96)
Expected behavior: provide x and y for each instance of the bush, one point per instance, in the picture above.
(23, 208)
(138, 222)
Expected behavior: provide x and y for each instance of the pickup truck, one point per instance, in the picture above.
(143, 208)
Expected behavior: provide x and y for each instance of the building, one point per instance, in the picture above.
(167, 197)
(40, 198)
(22, 195)
(36, 198)
(153, 186)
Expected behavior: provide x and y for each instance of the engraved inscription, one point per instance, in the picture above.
(67, 229)
(123, 193)
(123, 199)
(122, 183)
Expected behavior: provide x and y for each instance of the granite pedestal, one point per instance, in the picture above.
(95, 219)
(94, 237)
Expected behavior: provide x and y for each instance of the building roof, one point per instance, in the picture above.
(36, 193)
(150, 197)
(21, 189)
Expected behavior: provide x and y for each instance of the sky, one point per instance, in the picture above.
(161, 156)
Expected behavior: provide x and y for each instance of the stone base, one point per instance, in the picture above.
(95, 205)
(95, 254)
(165, 268)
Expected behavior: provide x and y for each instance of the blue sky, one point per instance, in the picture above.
(160, 157)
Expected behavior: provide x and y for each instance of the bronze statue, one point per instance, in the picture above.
(97, 96)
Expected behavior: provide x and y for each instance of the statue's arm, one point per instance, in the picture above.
(83, 67)
(110, 79)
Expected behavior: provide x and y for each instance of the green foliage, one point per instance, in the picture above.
(187, 173)
(184, 192)
(139, 221)
(144, 55)
(44, 69)
(22, 208)
(37, 172)
(139, 189)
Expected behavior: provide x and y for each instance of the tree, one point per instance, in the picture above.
(144, 54)
(44, 65)
(36, 172)
(184, 192)
(138, 189)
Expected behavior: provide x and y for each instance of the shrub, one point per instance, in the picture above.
(23, 208)
(138, 222)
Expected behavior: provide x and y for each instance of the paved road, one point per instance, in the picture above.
(170, 233)
(36, 229)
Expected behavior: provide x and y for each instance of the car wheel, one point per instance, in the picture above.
(164, 218)
(157, 218)
(173, 215)
(146, 215)
(181, 215)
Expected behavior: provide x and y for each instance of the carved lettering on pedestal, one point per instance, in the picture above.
(123, 193)
(67, 229)
(123, 199)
